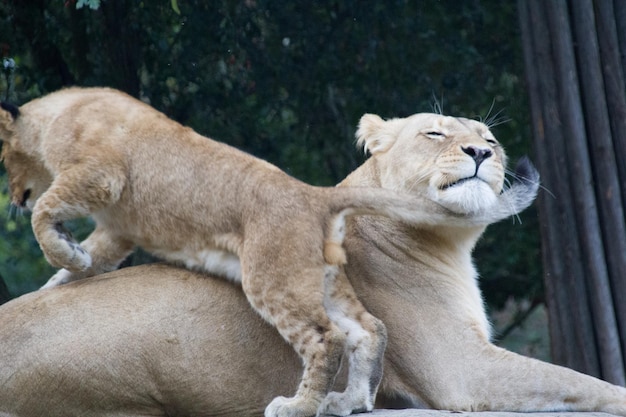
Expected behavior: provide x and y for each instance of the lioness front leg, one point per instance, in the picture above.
(73, 194)
(295, 307)
(366, 339)
(106, 251)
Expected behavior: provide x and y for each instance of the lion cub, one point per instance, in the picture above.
(148, 181)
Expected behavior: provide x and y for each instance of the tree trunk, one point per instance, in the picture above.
(576, 89)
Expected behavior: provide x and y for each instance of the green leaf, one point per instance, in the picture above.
(175, 6)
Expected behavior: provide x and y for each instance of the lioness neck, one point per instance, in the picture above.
(436, 249)
(380, 250)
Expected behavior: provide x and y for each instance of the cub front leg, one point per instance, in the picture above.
(366, 339)
(107, 251)
(73, 194)
(59, 248)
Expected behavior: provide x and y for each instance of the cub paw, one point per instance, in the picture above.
(344, 404)
(69, 255)
(64, 252)
(291, 407)
(61, 277)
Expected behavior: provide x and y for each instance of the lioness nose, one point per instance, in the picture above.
(477, 154)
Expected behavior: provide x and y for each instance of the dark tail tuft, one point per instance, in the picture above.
(526, 171)
(14, 110)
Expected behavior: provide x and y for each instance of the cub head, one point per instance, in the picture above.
(28, 178)
(454, 161)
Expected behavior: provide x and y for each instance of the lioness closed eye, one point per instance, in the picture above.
(148, 181)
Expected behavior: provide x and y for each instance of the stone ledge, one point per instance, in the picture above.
(439, 413)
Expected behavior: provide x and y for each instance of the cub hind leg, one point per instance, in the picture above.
(292, 301)
(74, 193)
(366, 339)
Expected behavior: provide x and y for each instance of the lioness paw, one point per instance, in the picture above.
(344, 404)
(291, 407)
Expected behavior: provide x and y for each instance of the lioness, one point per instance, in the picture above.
(128, 342)
(148, 181)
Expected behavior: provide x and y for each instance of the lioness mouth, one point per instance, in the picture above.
(458, 182)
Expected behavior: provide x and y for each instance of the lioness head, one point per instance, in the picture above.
(454, 161)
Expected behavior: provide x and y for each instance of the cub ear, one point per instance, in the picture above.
(13, 110)
(373, 134)
(8, 114)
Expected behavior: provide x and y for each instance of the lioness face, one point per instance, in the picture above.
(454, 161)
(28, 179)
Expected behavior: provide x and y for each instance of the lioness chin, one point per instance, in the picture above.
(148, 181)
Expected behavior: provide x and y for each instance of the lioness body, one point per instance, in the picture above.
(148, 181)
(128, 344)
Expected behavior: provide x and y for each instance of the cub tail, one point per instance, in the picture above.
(420, 210)
(358, 201)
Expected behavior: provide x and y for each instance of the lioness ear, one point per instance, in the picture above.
(8, 114)
(372, 134)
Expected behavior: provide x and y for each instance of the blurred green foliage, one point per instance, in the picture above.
(286, 81)
(20, 256)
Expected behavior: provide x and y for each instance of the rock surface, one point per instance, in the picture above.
(439, 413)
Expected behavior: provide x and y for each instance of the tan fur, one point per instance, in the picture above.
(162, 341)
(129, 341)
(148, 181)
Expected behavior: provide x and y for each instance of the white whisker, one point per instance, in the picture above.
(507, 183)
(488, 115)
(416, 179)
(497, 121)
(12, 213)
(515, 216)
(493, 120)
(437, 106)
